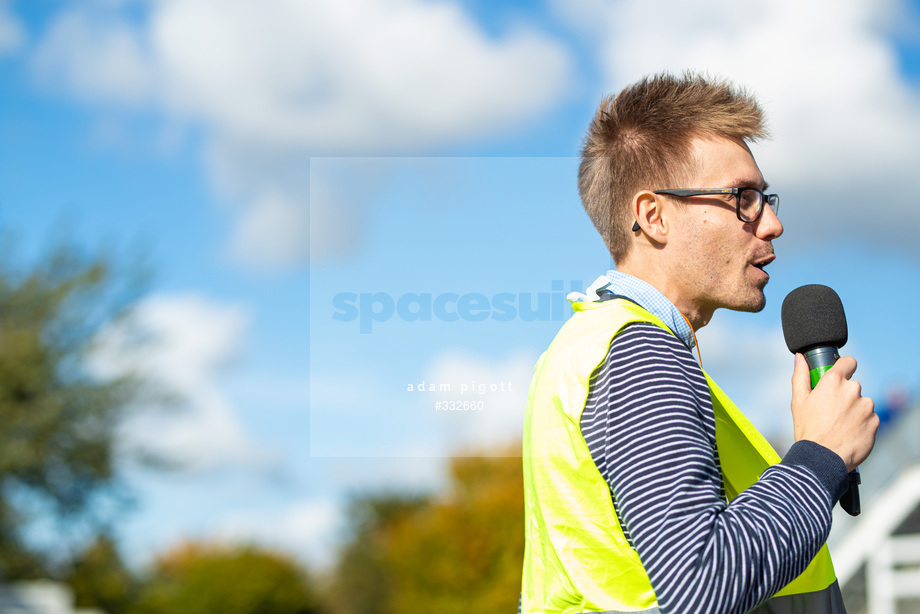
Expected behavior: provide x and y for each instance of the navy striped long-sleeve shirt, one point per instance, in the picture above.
(650, 428)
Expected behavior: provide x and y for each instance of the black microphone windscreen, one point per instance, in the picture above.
(813, 317)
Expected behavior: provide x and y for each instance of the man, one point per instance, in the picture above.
(646, 489)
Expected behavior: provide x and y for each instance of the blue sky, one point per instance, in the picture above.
(272, 156)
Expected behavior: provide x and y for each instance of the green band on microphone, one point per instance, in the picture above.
(817, 372)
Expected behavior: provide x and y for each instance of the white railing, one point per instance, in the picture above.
(893, 573)
(880, 518)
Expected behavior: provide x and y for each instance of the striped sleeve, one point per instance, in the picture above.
(650, 429)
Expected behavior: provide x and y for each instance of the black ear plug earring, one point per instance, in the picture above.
(635, 226)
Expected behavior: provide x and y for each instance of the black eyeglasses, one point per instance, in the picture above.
(748, 201)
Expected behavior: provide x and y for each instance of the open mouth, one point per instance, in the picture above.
(762, 262)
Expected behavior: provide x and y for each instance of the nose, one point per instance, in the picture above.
(768, 226)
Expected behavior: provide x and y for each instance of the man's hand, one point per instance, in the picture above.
(834, 414)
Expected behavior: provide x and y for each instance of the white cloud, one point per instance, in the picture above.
(285, 79)
(336, 76)
(95, 62)
(271, 232)
(311, 529)
(12, 34)
(389, 420)
(306, 530)
(844, 120)
(182, 343)
(500, 386)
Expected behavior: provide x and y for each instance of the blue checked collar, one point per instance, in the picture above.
(642, 293)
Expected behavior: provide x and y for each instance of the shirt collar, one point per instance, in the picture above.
(645, 295)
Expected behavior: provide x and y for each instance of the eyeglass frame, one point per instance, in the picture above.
(765, 199)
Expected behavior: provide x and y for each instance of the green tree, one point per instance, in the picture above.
(210, 579)
(363, 580)
(457, 553)
(57, 418)
(100, 579)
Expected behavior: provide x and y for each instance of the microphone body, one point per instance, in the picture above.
(815, 325)
(819, 360)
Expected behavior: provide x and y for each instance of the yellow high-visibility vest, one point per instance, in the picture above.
(577, 558)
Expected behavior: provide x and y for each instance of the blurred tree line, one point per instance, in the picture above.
(458, 551)
(193, 578)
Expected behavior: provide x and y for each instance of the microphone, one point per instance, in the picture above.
(815, 325)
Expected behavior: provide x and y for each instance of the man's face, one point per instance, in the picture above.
(719, 260)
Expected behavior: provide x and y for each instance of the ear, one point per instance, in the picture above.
(650, 216)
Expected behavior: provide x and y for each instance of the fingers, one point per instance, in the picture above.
(844, 367)
(801, 380)
(834, 414)
(836, 382)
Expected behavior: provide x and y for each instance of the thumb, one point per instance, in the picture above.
(801, 378)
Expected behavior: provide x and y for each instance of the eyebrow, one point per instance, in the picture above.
(752, 184)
